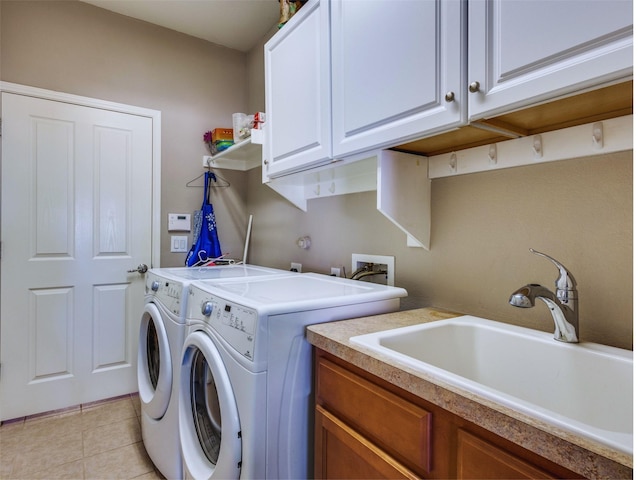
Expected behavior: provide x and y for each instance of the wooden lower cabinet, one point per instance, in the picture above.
(477, 458)
(367, 428)
(347, 454)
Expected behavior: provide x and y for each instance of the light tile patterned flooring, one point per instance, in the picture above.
(101, 440)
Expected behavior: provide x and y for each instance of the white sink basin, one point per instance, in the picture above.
(584, 388)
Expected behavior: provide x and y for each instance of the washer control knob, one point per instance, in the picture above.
(207, 308)
(155, 285)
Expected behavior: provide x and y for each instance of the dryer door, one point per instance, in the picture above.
(154, 363)
(209, 422)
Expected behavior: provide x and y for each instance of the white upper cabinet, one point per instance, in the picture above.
(346, 77)
(523, 52)
(297, 93)
(392, 66)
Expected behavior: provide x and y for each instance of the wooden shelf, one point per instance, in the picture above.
(592, 106)
(597, 138)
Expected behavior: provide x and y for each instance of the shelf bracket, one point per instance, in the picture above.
(404, 194)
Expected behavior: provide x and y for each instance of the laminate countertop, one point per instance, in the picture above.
(578, 454)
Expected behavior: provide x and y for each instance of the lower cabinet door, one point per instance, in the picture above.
(477, 458)
(341, 452)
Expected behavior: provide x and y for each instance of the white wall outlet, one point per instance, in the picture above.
(374, 263)
(296, 267)
(179, 243)
(336, 271)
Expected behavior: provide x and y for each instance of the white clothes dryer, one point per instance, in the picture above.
(246, 403)
(162, 335)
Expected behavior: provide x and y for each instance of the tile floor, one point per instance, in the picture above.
(101, 440)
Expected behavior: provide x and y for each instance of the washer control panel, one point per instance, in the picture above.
(236, 323)
(168, 292)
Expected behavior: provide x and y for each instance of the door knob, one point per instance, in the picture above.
(141, 269)
(474, 87)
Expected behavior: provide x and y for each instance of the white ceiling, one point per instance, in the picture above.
(238, 24)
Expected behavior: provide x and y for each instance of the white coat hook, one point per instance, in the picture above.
(598, 135)
(332, 187)
(537, 146)
(453, 163)
(493, 154)
(317, 189)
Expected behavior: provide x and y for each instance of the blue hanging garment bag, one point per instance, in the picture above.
(206, 246)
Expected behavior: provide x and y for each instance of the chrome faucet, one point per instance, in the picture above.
(563, 304)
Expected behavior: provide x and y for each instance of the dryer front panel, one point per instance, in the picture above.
(155, 375)
(209, 423)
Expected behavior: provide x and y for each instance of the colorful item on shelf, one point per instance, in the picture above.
(218, 139)
(288, 8)
(242, 124)
(222, 134)
(258, 120)
(220, 146)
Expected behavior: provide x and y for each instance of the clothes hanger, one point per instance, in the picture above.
(206, 261)
(216, 184)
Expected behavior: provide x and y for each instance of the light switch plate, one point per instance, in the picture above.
(179, 243)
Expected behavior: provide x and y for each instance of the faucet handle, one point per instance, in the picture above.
(565, 280)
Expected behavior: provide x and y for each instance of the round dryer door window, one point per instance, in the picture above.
(209, 422)
(154, 363)
(205, 407)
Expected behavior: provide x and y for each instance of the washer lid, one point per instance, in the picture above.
(299, 292)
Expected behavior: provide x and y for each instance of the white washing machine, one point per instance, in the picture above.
(162, 335)
(246, 404)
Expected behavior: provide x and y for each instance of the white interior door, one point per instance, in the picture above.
(76, 216)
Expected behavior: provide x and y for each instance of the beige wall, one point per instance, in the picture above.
(77, 48)
(579, 211)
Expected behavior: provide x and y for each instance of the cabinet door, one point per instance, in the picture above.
(341, 452)
(397, 426)
(477, 458)
(527, 51)
(297, 93)
(392, 66)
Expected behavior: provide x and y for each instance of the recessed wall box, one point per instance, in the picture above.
(179, 222)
